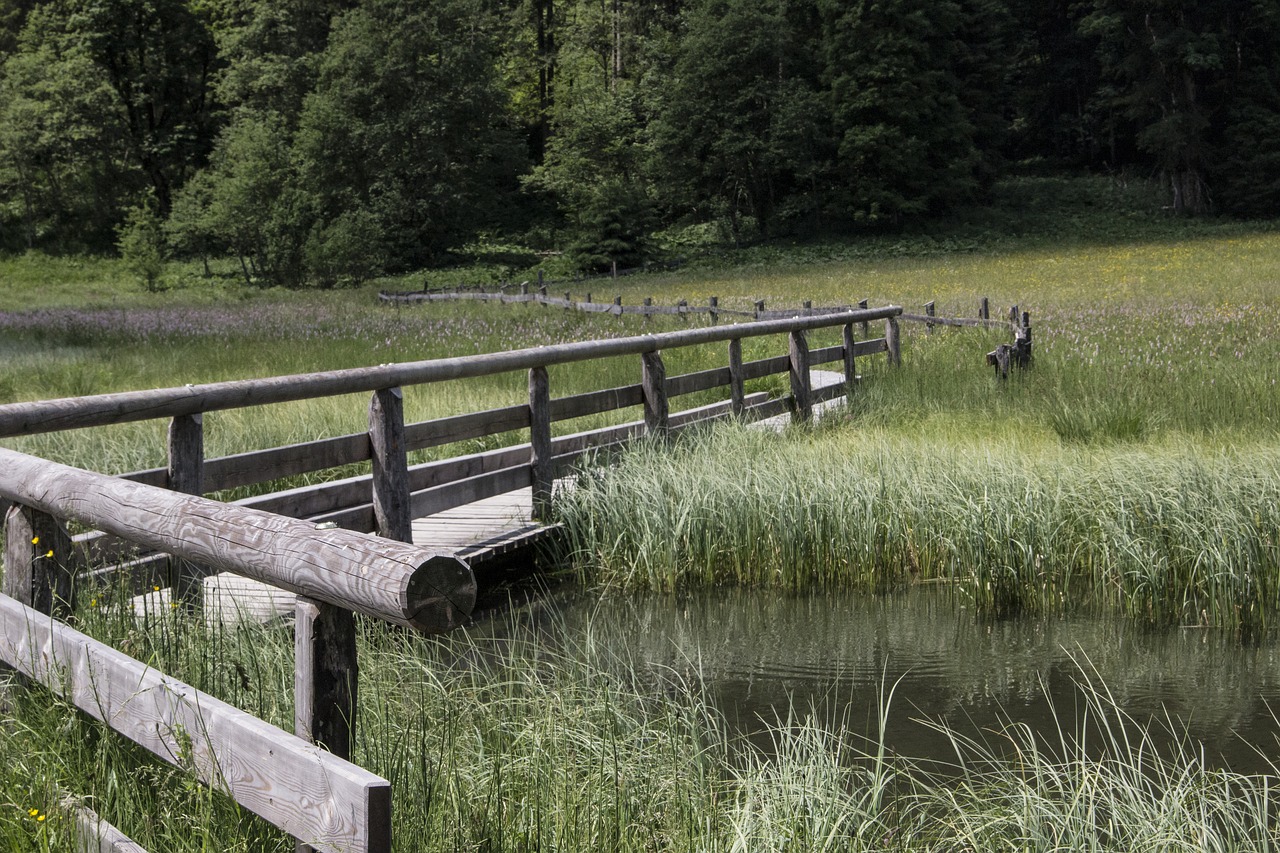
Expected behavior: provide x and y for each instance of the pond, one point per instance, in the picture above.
(758, 654)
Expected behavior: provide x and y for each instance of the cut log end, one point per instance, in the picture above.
(440, 595)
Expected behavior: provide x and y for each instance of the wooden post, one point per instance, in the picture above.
(390, 465)
(714, 302)
(891, 341)
(1000, 359)
(542, 294)
(984, 309)
(539, 278)
(1022, 342)
(588, 299)
(540, 441)
(850, 368)
(568, 300)
(1013, 316)
(186, 475)
(808, 307)
(929, 312)
(737, 397)
(39, 565)
(648, 303)
(613, 265)
(325, 678)
(866, 327)
(801, 390)
(759, 308)
(654, 382)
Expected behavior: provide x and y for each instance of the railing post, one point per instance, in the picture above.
(568, 300)
(801, 390)
(808, 307)
(391, 508)
(984, 309)
(850, 368)
(648, 303)
(325, 678)
(737, 396)
(714, 303)
(39, 566)
(186, 475)
(654, 383)
(929, 310)
(1022, 342)
(892, 342)
(866, 326)
(759, 308)
(541, 477)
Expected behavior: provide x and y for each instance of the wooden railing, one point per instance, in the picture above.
(317, 796)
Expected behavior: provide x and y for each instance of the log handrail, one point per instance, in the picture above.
(79, 412)
(401, 583)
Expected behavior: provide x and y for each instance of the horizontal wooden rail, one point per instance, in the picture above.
(327, 802)
(400, 583)
(970, 322)
(100, 410)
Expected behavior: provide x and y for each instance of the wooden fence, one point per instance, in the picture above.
(157, 527)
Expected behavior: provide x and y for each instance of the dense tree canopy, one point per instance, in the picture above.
(323, 141)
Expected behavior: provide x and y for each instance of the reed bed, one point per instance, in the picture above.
(1172, 533)
(524, 734)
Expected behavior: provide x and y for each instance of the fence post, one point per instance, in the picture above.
(391, 508)
(737, 397)
(801, 390)
(850, 368)
(1013, 316)
(866, 327)
(892, 342)
(325, 678)
(759, 308)
(568, 300)
(648, 303)
(929, 312)
(39, 566)
(714, 303)
(186, 475)
(984, 309)
(540, 441)
(1022, 342)
(654, 382)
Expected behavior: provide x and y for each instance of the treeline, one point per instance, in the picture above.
(322, 141)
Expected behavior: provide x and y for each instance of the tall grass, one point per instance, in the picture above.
(522, 735)
(1173, 533)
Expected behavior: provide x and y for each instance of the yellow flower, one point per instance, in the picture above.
(35, 540)
(33, 812)
(40, 819)
(50, 553)
(155, 589)
(93, 602)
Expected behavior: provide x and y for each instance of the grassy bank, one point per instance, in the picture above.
(520, 735)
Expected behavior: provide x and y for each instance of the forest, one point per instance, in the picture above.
(323, 142)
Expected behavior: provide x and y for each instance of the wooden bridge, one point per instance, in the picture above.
(439, 524)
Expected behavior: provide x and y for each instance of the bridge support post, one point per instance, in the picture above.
(391, 503)
(892, 342)
(325, 678)
(540, 441)
(801, 390)
(654, 383)
(850, 366)
(186, 475)
(39, 566)
(737, 397)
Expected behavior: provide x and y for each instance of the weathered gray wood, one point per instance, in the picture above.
(594, 402)
(326, 675)
(826, 355)
(433, 500)
(984, 309)
(77, 412)
(700, 380)
(801, 391)
(850, 356)
(390, 580)
(892, 341)
(39, 561)
(713, 307)
(968, 322)
(541, 475)
(186, 475)
(390, 465)
(263, 466)
(736, 376)
(654, 382)
(95, 835)
(294, 785)
(829, 392)
(766, 367)
(139, 576)
(309, 501)
(427, 475)
(153, 477)
(434, 433)
(866, 326)
(768, 409)
(929, 312)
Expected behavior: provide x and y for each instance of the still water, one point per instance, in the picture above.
(757, 654)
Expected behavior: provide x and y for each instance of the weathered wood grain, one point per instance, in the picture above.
(849, 356)
(379, 577)
(39, 561)
(296, 786)
(892, 341)
(541, 475)
(95, 835)
(390, 475)
(326, 675)
(736, 376)
(701, 380)
(76, 412)
(801, 391)
(263, 466)
(459, 492)
(186, 475)
(654, 382)
(766, 367)
(440, 431)
(595, 402)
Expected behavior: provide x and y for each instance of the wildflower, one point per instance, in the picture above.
(35, 540)
(155, 589)
(93, 602)
(33, 812)
(40, 819)
(49, 553)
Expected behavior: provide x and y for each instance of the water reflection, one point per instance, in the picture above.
(759, 653)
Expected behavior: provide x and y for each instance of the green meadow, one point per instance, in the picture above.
(1134, 470)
